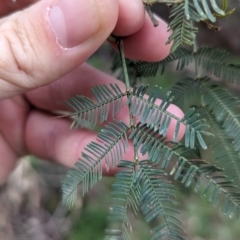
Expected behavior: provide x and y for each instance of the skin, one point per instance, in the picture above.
(37, 74)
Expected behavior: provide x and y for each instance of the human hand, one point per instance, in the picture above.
(43, 49)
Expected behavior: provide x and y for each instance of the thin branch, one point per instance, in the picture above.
(124, 65)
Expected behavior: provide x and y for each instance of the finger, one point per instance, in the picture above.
(149, 43)
(12, 122)
(51, 139)
(131, 17)
(7, 160)
(8, 6)
(79, 81)
(41, 44)
(126, 24)
(52, 97)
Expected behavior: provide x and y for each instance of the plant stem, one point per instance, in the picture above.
(128, 89)
(149, 11)
(126, 78)
(124, 66)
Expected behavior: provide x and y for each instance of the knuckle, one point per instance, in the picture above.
(19, 59)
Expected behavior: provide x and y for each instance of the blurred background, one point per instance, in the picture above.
(30, 200)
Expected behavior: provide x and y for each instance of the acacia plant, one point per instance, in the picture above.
(144, 183)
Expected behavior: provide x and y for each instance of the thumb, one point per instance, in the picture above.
(49, 39)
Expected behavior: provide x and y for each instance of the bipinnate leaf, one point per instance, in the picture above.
(213, 61)
(198, 171)
(124, 198)
(158, 117)
(88, 113)
(143, 184)
(112, 143)
(208, 58)
(224, 154)
(183, 30)
(225, 108)
(158, 202)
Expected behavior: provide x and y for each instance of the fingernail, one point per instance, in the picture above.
(73, 21)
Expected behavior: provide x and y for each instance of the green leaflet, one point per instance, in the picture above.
(184, 15)
(157, 117)
(196, 169)
(143, 185)
(149, 69)
(225, 108)
(88, 114)
(210, 59)
(204, 9)
(184, 90)
(224, 154)
(208, 11)
(183, 30)
(124, 197)
(157, 202)
(88, 169)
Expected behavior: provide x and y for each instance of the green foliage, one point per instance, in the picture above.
(183, 30)
(209, 59)
(160, 152)
(158, 118)
(143, 184)
(86, 112)
(225, 108)
(88, 170)
(157, 200)
(124, 196)
(184, 90)
(224, 153)
(184, 14)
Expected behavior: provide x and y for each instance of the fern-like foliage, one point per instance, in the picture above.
(225, 108)
(143, 184)
(157, 198)
(185, 14)
(213, 61)
(209, 59)
(224, 154)
(160, 153)
(149, 69)
(183, 30)
(157, 117)
(184, 90)
(87, 113)
(125, 196)
(88, 169)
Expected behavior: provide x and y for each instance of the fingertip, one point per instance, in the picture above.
(65, 33)
(130, 19)
(149, 43)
